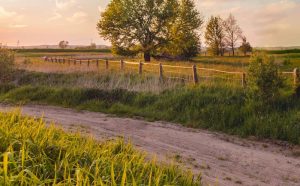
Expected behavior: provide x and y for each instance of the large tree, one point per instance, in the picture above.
(135, 26)
(184, 40)
(233, 32)
(215, 36)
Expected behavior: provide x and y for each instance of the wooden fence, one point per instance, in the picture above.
(192, 74)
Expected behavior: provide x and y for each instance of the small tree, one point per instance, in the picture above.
(215, 35)
(63, 44)
(7, 59)
(233, 33)
(93, 46)
(245, 47)
(264, 80)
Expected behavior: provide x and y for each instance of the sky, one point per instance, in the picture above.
(266, 23)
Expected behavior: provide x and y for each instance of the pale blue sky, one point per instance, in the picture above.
(265, 22)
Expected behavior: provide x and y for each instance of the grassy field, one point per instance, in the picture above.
(33, 154)
(288, 61)
(220, 105)
(239, 64)
(215, 107)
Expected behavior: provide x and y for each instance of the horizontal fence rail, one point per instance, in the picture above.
(192, 74)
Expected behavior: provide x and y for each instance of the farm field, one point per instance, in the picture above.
(209, 67)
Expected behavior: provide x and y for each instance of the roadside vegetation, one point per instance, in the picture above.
(33, 154)
(268, 107)
(7, 60)
(214, 107)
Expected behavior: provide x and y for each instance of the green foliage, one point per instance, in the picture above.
(7, 59)
(142, 25)
(291, 51)
(184, 42)
(63, 44)
(129, 52)
(215, 35)
(245, 47)
(217, 107)
(33, 154)
(153, 27)
(264, 79)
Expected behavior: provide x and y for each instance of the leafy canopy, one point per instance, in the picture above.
(147, 26)
(185, 38)
(215, 35)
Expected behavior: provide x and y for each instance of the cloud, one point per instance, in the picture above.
(11, 19)
(6, 14)
(56, 16)
(78, 17)
(17, 26)
(276, 16)
(63, 4)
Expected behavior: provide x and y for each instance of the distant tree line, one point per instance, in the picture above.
(166, 28)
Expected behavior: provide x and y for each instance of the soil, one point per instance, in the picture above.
(221, 159)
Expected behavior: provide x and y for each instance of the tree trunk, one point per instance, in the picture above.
(233, 54)
(147, 56)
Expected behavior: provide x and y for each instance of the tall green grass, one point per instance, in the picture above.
(32, 154)
(214, 107)
(103, 80)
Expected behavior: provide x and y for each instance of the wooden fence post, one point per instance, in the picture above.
(296, 77)
(106, 64)
(88, 63)
(141, 68)
(97, 62)
(75, 61)
(244, 79)
(195, 75)
(122, 65)
(161, 72)
(80, 62)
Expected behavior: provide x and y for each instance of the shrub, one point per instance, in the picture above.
(264, 79)
(7, 59)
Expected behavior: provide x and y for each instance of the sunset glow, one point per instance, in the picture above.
(37, 22)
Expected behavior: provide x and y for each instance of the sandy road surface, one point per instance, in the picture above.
(223, 160)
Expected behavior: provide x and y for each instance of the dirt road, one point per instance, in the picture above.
(222, 159)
